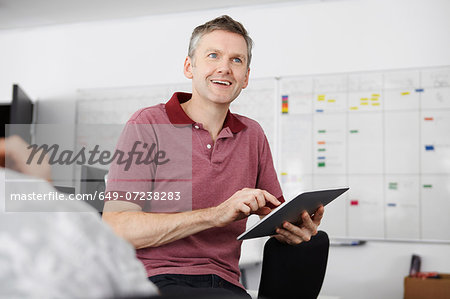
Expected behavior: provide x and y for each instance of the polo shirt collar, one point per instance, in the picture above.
(177, 116)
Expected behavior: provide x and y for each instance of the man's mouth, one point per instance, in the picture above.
(222, 82)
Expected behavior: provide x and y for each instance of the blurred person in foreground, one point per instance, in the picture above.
(58, 254)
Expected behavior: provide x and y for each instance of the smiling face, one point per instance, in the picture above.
(219, 67)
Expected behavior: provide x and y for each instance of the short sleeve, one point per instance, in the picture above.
(156, 168)
(130, 173)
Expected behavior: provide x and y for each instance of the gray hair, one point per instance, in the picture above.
(220, 23)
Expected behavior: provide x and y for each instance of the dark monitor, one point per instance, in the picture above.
(21, 107)
(93, 182)
(21, 112)
(5, 110)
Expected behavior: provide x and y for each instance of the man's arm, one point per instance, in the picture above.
(143, 229)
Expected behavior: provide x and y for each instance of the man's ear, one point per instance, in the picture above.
(246, 79)
(188, 68)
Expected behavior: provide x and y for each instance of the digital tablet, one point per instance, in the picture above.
(290, 211)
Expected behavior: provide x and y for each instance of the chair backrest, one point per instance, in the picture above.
(294, 271)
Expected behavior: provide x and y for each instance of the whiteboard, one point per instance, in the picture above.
(386, 135)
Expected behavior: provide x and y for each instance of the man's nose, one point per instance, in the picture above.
(224, 66)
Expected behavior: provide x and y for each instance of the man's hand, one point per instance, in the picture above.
(243, 203)
(294, 235)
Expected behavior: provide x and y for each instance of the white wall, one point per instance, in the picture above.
(291, 39)
(310, 37)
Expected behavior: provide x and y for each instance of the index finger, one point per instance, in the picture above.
(270, 198)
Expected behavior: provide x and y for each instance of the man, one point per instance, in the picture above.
(232, 174)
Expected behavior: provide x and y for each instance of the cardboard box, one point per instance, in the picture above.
(417, 288)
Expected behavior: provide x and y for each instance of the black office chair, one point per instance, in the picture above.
(294, 271)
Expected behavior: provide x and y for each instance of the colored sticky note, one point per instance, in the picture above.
(321, 150)
(364, 99)
(375, 104)
(319, 110)
(428, 118)
(321, 158)
(375, 95)
(428, 186)
(353, 108)
(374, 99)
(321, 97)
(322, 131)
(364, 104)
(284, 173)
(320, 142)
(331, 101)
(391, 204)
(405, 93)
(429, 147)
(354, 202)
(353, 131)
(321, 164)
(419, 90)
(284, 104)
(393, 186)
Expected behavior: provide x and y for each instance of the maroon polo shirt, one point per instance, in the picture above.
(239, 158)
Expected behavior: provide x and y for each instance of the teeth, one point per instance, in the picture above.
(221, 82)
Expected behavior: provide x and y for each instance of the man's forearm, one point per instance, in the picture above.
(144, 229)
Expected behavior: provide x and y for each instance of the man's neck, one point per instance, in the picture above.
(209, 114)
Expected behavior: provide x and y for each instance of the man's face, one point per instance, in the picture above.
(219, 67)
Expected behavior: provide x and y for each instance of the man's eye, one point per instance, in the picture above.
(212, 55)
(238, 60)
